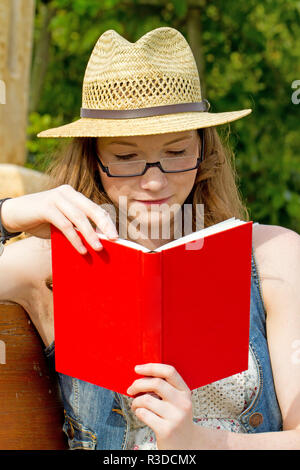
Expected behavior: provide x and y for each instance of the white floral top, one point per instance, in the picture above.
(217, 405)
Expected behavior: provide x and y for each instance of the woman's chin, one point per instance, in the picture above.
(158, 227)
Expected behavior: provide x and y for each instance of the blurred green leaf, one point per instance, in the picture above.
(180, 7)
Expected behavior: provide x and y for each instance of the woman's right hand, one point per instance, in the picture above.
(63, 207)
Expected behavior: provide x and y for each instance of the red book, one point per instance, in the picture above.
(186, 304)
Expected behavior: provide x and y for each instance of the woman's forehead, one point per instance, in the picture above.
(141, 140)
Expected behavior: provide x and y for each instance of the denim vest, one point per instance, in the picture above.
(96, 418)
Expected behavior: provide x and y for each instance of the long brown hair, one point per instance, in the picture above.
(216, 183)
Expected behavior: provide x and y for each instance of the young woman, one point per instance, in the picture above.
(145, 134)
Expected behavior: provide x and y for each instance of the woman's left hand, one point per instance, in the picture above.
(169, 414)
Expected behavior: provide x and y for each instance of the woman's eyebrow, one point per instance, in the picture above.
(187, 137)
(119, 142)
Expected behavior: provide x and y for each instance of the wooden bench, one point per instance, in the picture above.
(31, 412)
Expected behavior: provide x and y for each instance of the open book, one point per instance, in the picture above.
(186, 303)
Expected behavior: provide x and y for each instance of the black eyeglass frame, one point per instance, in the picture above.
(149, 165)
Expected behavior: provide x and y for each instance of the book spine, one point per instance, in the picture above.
(151, 306)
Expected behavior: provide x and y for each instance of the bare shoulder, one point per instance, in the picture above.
(275, 248)
(277, 253)
(28, 265)
(25, 266)
(35, 255)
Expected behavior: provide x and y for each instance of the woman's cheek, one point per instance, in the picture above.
(184, 185)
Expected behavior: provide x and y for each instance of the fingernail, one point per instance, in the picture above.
(97, 245)
(113, 235)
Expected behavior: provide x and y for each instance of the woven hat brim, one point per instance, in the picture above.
(163, 124)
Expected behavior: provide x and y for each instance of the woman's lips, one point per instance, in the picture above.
(156, 201)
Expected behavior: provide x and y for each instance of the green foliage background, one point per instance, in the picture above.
(251, 57)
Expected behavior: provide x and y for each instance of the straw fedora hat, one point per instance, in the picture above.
(148, 87)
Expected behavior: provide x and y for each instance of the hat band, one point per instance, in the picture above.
(144, 112)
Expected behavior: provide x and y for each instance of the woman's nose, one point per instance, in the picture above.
(154, 179)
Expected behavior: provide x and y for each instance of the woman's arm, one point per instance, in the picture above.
(26, 264)
(280, 249)
(212, 439)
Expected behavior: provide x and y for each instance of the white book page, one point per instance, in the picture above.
(221, 226)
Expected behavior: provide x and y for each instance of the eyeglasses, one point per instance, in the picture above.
(166, 165)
